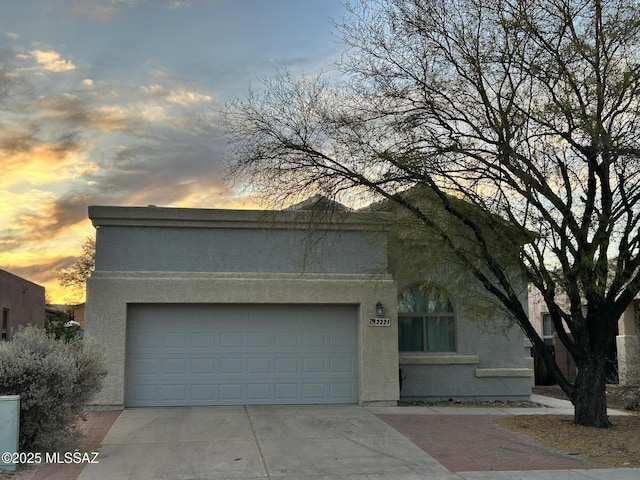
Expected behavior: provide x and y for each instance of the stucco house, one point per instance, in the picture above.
(22, 303)
(235, 307)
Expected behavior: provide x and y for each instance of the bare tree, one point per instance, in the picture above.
(75, 276)
(526, 109)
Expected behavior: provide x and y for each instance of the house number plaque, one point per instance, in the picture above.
(379, 322)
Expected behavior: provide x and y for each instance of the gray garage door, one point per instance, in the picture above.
(240, 355)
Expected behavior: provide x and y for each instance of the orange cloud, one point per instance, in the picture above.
(43, 163)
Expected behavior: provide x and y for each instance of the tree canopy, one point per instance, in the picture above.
(527, 109)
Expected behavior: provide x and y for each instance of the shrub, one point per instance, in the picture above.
(632, 399)
(58, 327)
(55, 379)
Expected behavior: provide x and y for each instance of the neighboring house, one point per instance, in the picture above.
(623, 357)
(230, 307)
(22, 303)
(78, 314)
(74, 313)
(542, 322)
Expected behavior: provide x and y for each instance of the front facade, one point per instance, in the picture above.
(22, 303)
(224, 307)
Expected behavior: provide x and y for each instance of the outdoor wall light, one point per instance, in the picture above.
(379, 309)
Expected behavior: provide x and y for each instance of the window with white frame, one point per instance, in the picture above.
(426, 320)
(547, 328)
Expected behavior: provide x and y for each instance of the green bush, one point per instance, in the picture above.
(56, 326)
(55, 379)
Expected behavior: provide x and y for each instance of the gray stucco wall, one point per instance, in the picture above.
(489, 363)
(261, 249)
(490, 360)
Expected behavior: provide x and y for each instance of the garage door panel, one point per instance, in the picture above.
(175, 392)
(313, 392)
(343, 365)
(260, 340)
(342, 391)
(231, 392)
(286, 365)
(234, 355)
(286, 340)
(173, 340)
(314, 340)
(314, 365)
(204, 366)
(202, 340)
(231, 340)
(146, 366)
(287, 392)
(259, 365)
(342, 341)
(202, 393)
(174, 366)
(259, 392)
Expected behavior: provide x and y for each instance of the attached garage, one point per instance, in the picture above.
(230, 354)
(233, 307)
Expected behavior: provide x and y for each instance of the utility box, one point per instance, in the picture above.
(9, 430)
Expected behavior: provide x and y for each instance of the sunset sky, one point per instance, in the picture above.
(116, 102)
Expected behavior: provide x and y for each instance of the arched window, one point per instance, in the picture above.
(425, 320)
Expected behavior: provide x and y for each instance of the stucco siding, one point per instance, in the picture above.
(260, 250)
(24, 302)
(490, 360)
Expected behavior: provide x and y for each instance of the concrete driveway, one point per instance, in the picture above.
(284, 442)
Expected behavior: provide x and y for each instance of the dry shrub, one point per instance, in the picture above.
(54, 379)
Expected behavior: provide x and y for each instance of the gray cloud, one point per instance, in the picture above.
(102, 10)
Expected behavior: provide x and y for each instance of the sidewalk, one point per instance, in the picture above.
(467, 441)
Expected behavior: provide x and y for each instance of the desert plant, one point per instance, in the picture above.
(54, 379)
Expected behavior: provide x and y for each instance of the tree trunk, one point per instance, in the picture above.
(589, 395)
